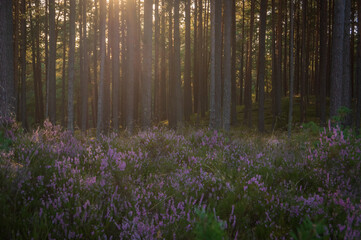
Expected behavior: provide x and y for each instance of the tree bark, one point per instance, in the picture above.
(100, 124)
(115, 66)
(337, 57)
(227, 64)
(23, 110)
(147, 65)
(292, 71)
(323, 59)
(129, 121)
(261, 64)
(52, 59)
(7, 91)
(71, 66)
(187, 63)
(248, 82)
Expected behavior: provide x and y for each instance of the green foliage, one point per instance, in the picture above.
(342, 113)
(5, 142)
(208, 227)
(311, 231)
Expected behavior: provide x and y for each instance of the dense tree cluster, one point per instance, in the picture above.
(127, 63)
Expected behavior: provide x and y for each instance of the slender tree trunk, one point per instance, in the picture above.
(24, 120)
(71, 66)
(261, 64)
(227, 64)
(304, 62)
(241, 70)
(95, 64)
(156, 63)
(63, 108)
(15, 58)
(129, 121)
(100, 124)
(34, 64)
(248, 82)
(52, 59)
(163, 68)
(147, 65)
(177, 68)
(195, 58)
(346, 73)
(234, 59)
(171, 89)
(337, 57)
(115, 67)
(7, 92)
(187, 63)
(323, 59)
(292, 70)
(358, 69)
(84, 85)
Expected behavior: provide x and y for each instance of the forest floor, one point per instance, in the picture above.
(192, 184)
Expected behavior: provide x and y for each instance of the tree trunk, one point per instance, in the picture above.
(23, 65)
(63, 108)
(71, 66)
(100, 118)
(147, 65)
(52, 59)
(177, 68)
(187, 63)
(233, 64)
(323, 59)
(84, 85)
(129, 121)
(248, 82)
(227, 64)
(346, 73)
(115, 67)
(7, 91)
(358, 69)
(261, 64)
(304, 62)
(292, 71)
(337, 57)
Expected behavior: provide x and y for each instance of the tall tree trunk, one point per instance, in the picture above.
(358, 69)
(71, 66)
(323, 59)
(129, 121)
(248, 82)
(52, 59)
(346, 73)
(95, 64)
(34, 64)
(23, 65)
(187, 63)
(195, 58)
(337, 57)
(171, 89)
(241, 70)
(15, 58)
(100, 124)
(304, 72)
(292, 71)
(115, 66)
(147, 65)
(177, 68)
(63, 108)
(233, 64)
(227, 64)
(156, 63)
(163, 68)
(84, 85)
(212, 110)
(261, 64)
(7, 91)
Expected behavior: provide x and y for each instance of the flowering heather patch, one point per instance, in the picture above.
(162, 185)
